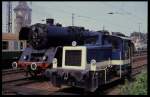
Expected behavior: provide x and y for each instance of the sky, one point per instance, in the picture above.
(127, 17)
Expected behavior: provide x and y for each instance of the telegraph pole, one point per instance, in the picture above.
(139, 30)
(103, 27)
(9, 17)
(72, 19)
(139, 26)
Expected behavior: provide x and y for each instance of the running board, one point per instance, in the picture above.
(112, 80)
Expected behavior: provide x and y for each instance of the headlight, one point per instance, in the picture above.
(74, 43)
(44, 58)
(25, 57)
(14, 65)
(55, 63)
(93, 62)
(93, 65)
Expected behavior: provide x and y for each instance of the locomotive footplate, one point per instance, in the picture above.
(36, 65)
(32, 68)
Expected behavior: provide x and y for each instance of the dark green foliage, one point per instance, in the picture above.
(138, 87)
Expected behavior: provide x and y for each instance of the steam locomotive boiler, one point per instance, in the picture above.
(45, 42)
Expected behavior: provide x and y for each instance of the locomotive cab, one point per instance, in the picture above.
(122, 52)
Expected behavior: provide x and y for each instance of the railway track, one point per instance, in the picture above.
(139, 62)
(26, 86)
(138, 69)
(32, 87)
(139, 54)
(11, 71)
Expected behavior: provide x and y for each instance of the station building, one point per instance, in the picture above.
(11, 45)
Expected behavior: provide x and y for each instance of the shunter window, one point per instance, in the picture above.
(73, 57)
(115, 44)
(90, 40)
(21, 45)
(5, 45)
(126, 46)
(106, 40)
(16, 45)
(111, 40)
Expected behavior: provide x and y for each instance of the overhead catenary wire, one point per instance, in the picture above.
(78, 16)
(94, 19)
(81, 16)
(123, 12)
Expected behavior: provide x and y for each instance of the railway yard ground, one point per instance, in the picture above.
(16, 83)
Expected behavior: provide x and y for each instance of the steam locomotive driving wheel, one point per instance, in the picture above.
(31, 72)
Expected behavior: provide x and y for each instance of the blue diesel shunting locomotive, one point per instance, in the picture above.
(88, 66)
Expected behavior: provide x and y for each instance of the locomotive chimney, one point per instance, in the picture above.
(50, 21)
(59, 25)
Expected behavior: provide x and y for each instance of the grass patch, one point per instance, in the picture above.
(138, 87)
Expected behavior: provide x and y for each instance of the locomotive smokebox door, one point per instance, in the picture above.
(24, 33)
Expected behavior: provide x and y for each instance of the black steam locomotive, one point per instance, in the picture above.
(46, 41)
(75, 56)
